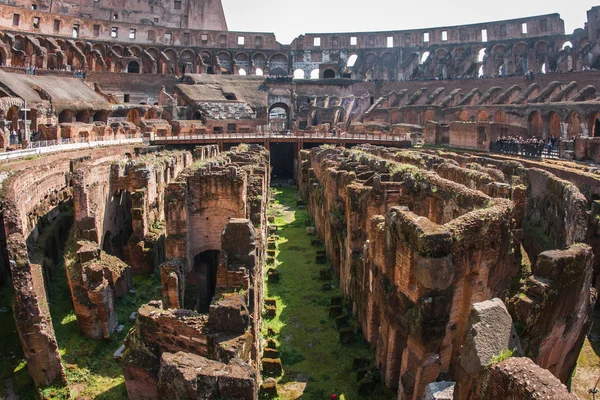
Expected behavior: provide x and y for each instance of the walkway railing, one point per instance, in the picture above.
(239, 136)
(537, 150)
(51, 146)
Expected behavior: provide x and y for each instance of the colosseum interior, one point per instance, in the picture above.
(188, 212)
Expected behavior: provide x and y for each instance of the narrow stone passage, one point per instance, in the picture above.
(315, 363)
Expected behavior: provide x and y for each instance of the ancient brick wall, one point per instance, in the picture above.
(392, 259)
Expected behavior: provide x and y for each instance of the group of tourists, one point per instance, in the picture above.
(529, 147)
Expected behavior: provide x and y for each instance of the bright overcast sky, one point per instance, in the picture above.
(289, 19)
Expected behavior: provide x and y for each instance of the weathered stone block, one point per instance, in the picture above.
(272, 367)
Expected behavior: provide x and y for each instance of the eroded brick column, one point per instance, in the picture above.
(32, 317)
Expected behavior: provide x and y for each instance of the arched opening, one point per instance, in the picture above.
(543, 69)
(536, 124)
(66, 116)
(151, 114)
(329, 74)
(12, 118)
(2, 58)
(554, 126)
(482, 116)
(242, 71)
(480, 72)
(201, 282)
(299, 74)
(573, 125)
(133, 67)
(83, 116)
(259, 72)
(121, 227)
(481, 55)
(314, 74)
(352, 60)
(133, 116)
(279, 117)
(101, 116)
(424, 57)
(597, 127)
(197, 116)
(567, 45)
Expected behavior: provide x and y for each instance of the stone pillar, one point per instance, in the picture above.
(32, 317)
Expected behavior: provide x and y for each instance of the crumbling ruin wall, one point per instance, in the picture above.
(32, 317)
(144, 180)
(35, 191)
(552, 308)
(410, 272)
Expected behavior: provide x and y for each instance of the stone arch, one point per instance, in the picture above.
(464, 115)
(554, 125)
(243, 60)
(387, 61)
(66, 116)
(573, 125)
(101, 116)
(171, 64)
(259, 60)
(498, 59)
(133, 67)
(133, 116)
(225, 62)
(483, 116)
(329, 74)
(12, 116)
(118, 49)
(299, 74)
(458, 61)
(151, 113)
(136, 51)
(521, 58)
(187, 62)
(540, 53)
(535, 125)
(83, 116)
(286, 108)
(500, 117)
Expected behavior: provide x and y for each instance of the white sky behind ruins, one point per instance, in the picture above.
(289, 19)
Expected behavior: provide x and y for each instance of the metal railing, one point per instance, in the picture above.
(235, 136)
(537, 150)
(50, 146)
(60, 142)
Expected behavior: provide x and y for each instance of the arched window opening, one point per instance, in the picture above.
(242, 71)
(133, 67)
(481, 55)
(329, 74)
(480, 73)
(352, 61)
(259, 72)
(567, 45)
(298, 74)
(424, 57)
(314, 74)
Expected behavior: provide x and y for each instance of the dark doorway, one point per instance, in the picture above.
(133, 68)
(123, 225)
(329, 74)
(597, 128)
(283, 157)
(202, 281)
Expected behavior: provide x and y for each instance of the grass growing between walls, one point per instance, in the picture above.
(315, 363)
(90, 368)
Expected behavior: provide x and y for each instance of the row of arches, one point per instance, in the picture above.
(502, 59)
